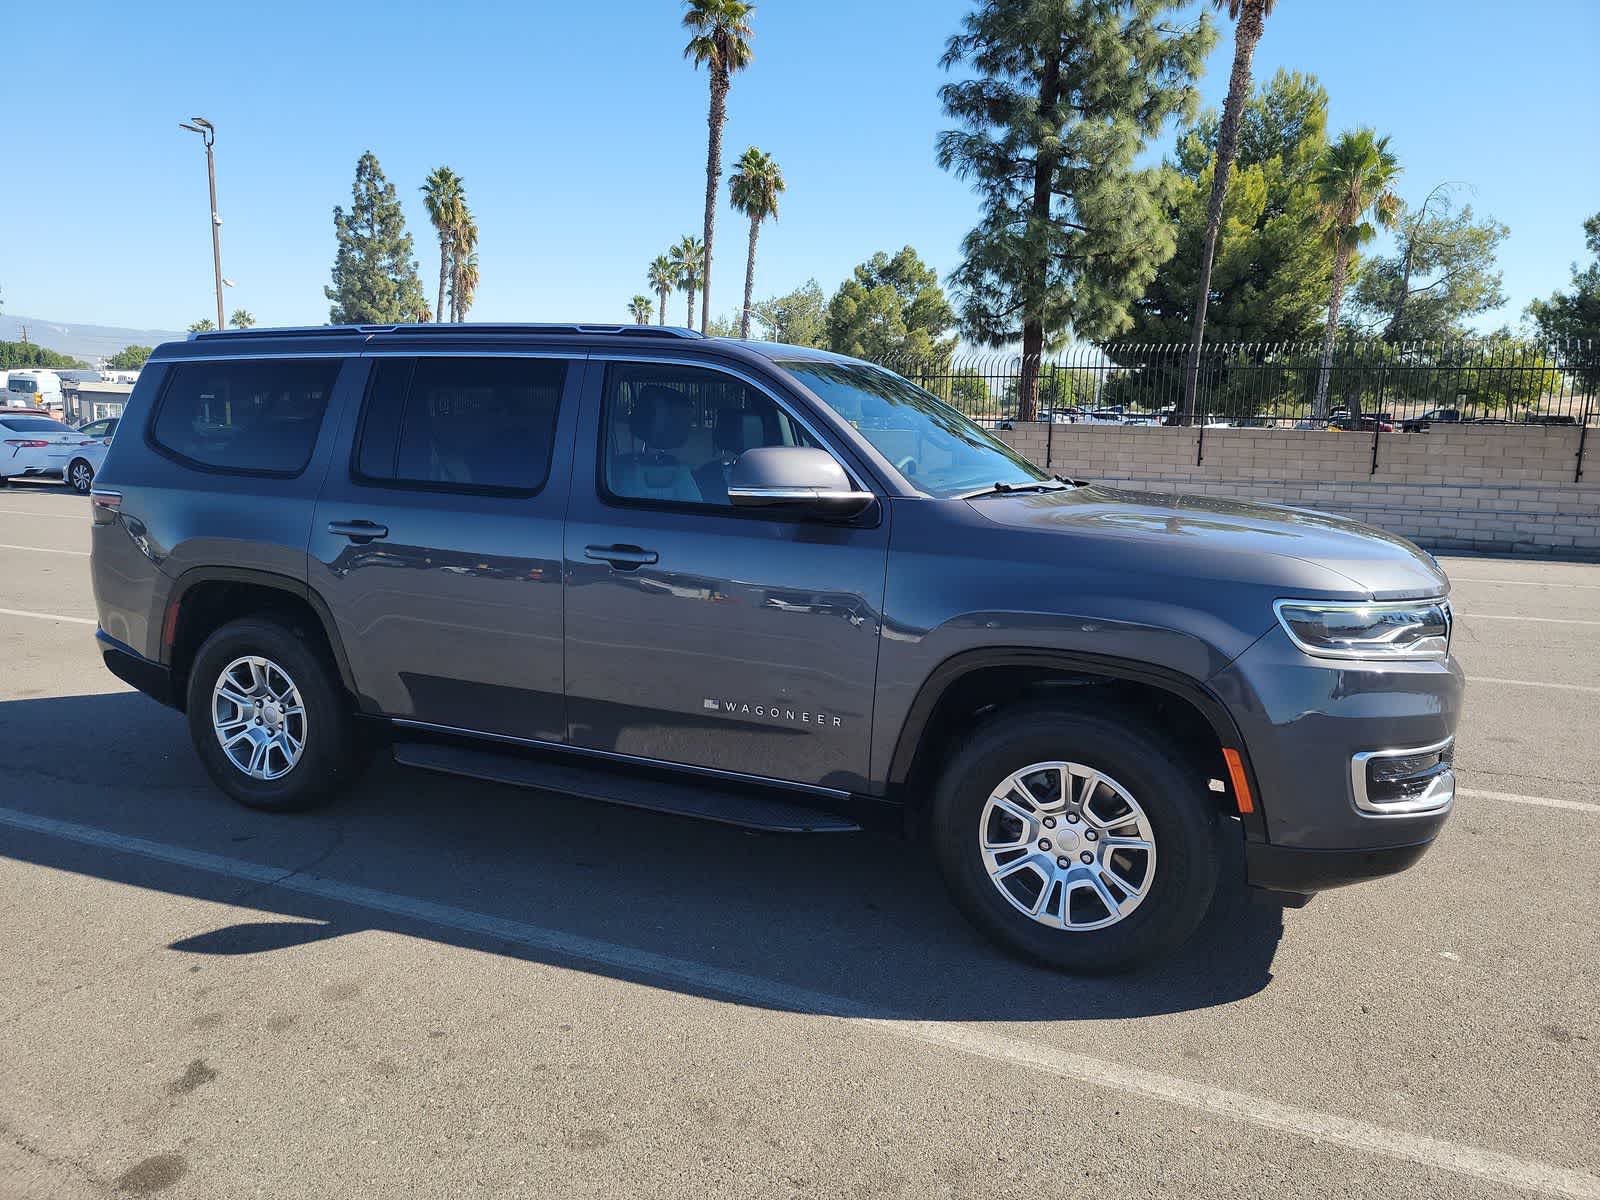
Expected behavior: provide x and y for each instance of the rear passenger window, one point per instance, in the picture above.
(464, 424)
(258, 417)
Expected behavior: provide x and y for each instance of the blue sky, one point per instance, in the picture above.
(580, 132)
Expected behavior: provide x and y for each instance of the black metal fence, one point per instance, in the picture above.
(1370, 384)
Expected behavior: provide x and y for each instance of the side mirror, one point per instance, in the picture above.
(794, 477)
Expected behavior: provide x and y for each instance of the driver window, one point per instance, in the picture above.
(672, 434)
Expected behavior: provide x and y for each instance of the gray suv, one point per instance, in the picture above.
(773, 587)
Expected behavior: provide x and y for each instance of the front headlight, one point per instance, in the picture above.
(1406, 630)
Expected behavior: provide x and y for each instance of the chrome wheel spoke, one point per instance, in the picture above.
(1113, 909)
(1026, 862)
(233, 697)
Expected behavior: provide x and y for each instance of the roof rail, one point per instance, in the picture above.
(432, 329)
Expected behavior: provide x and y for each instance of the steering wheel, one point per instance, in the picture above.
(907, 466)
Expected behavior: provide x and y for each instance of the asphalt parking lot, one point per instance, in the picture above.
(443, 989)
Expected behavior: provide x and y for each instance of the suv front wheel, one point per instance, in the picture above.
(1075, 839)
(268, 717)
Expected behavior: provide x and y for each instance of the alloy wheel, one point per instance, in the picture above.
(259, 717)
(1067, 845)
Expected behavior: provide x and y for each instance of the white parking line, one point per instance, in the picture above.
(1538, 683)
(1456, 1158)
(23, 512)
(1543, 801)
(1478, 616)
(1523, 582)
(45, 550)
(17, 612)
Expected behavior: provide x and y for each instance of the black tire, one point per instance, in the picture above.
(1172, 795)
(71, 480)
(333, 754)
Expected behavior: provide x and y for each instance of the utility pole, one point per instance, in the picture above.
(208, 132)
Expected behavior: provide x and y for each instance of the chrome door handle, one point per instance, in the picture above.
(359, 532)
(623, 558)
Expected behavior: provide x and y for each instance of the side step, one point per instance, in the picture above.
(709, 801)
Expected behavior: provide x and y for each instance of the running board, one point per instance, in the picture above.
(708, 801)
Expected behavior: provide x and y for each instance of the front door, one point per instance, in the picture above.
(437, 540)
(702, 634)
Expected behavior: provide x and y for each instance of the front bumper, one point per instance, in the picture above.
(1291, 869)
(1310, 726)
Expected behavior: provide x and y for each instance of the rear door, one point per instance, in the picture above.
(436, 541)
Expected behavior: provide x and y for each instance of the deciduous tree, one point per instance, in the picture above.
(1442, 272)
(892, 310)
(129, 358)
(1575, 314)
(797, 318)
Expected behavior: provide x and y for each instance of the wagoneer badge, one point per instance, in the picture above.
(773, 712)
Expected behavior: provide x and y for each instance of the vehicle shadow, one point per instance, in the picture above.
(854, 923)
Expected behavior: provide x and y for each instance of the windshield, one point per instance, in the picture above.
(25, 386)
(938, 450)
(34, 425)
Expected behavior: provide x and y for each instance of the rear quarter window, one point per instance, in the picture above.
(258, 417)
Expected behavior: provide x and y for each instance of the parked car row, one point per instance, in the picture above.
(35, 445)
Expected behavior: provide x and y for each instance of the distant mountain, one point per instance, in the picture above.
(88, 342)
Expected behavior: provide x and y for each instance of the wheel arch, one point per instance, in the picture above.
(950, 689)
(199, 603)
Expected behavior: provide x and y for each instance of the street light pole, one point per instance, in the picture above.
(209, 133)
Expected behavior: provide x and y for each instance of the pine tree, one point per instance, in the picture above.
(374, 276)
(1065, 95)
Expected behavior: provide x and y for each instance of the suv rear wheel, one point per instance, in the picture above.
(268, 717)
(1075, 840)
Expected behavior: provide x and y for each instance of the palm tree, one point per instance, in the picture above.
(754, 186)
(445, 198)
(203, 325)
(463, 266)
(1248, 16)
(1353, 179)
(689, 266)
(720, 38)
(663, 278)
(241, 319)
(641, 309)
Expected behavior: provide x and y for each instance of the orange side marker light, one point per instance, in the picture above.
(1236, 776)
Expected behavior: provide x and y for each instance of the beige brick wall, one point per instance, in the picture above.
(1499, 490)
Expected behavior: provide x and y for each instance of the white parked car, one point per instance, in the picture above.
(84, 465)
(41, 447)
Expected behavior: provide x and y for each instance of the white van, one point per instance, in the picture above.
(33, 387)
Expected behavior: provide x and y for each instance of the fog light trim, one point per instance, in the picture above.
(1436, 797)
